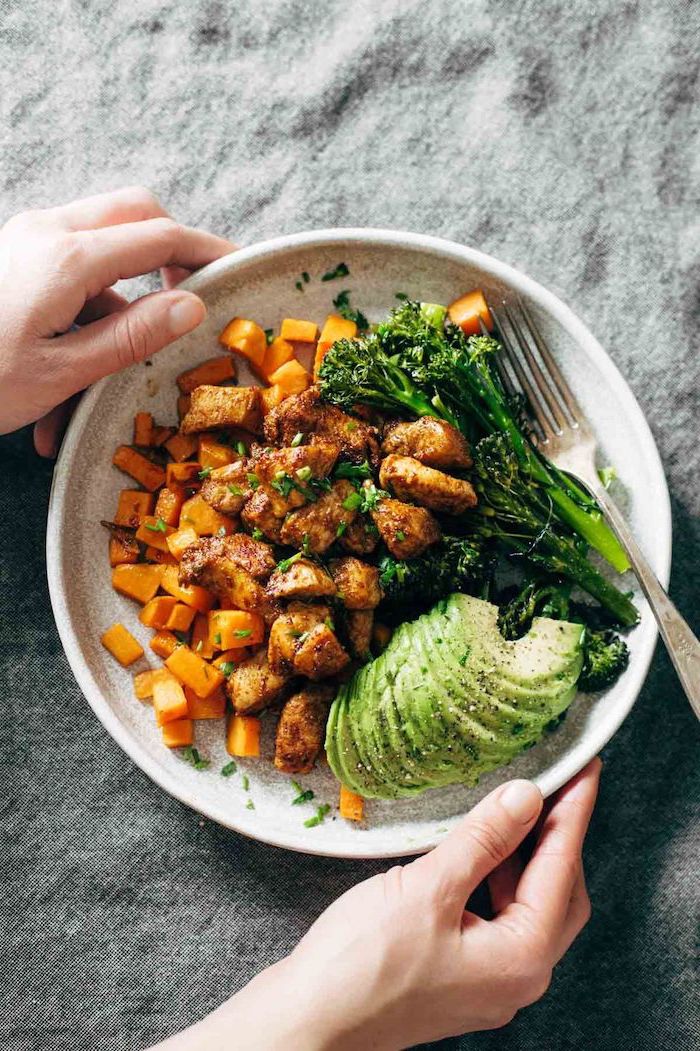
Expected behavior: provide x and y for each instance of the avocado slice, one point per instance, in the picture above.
(450, 699)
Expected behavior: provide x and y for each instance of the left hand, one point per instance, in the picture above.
(57, 266)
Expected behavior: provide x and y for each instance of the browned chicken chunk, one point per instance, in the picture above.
(319, 522)
(252, 685)
(213, 407)
(357, 582)
(301, 580)
(434, 442)
(226, 488)
(259, 513)
(320, 654)
(301, 729)
(406, 530)
(288, 632)
(358, 627)
(360, 537)
(306, 414)
(231, 567)
(411, 480)
(314, 461)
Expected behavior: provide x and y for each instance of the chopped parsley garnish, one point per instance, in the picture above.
(284, 565)
(192, 756)
(229, 769)
(253, 480)
(401, 296)
(235, 490)
(341, 270)
(269, 335)
(158, 526)
(257, 534)
(358, 471)
(241, 449)
(318, 816)
(352, 502)
(204, 473)
(242, 633)
(351, 426)
(371, 497)
(464, 658)
(217, 638)
(342, 305)
(226, 668)
(250, 805)
(305, 277)
(298, 285)
(297, 439)
(245, 781)
(342, 526)
(303, 797)
(400, 535)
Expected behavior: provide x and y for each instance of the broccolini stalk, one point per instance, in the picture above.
(518, 513)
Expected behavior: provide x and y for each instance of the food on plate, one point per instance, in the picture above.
(329, 551)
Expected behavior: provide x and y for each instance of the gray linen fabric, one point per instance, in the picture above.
(559, 137)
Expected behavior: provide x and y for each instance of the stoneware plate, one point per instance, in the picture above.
(259, 282)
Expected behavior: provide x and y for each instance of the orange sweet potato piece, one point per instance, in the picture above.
(161, 558)
(300, 331)
(278, 353)
(247, 338)
(271, 398)
(209, 373)
(123, 547)
(181, 617)
(205, 521)
(231, 657)
(352, 806)
(143, 428)
(169, 701)
(193, 671)
(153, 531)
(183, 475)
(155, 614)
(168, 505)
(131, 462)
(292, 378)
(178, 734)
(144, 681)
(335, 328)
(215, 454)
(190, 594)
(132, 506)
(183, 406)
(164, 643)
(122, 645)
(181, 446)
(243, 736)
(468, 310)
(201, 643)
(180, 540)
(161, 435)
(232, 628)
(139, 582)
(211, 707)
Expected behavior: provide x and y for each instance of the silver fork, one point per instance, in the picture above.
(564, 435)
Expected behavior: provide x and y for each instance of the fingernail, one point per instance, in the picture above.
(521, 800)
(185, 314)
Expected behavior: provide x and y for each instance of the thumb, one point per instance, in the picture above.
(128, 336)
(489, 834)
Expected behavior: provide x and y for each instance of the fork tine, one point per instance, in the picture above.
(534, 404)
(502, 370)
(549, 395)
(559, 382)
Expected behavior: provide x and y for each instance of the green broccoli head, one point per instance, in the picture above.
(453, 564)
(605, 657)
(535, 598)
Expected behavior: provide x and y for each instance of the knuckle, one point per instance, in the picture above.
(490, 840)
(67, 250)
(143, 197)
(502, 1018)
(535, 986)
(167, 229)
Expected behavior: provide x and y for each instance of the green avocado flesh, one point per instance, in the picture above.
(450, 699)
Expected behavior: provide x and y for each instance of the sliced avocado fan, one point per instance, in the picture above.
(450, 699)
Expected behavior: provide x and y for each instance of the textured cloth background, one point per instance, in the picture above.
(559, 137)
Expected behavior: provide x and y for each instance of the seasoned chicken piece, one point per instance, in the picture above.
(410, 480)
(303, 579)
(213, 407)
(357, 582)
(358, 627)
(259, 513)
(306, 414)
(301, 729)
(434, 442)
(314, 461)
(406, 530)
(288, 632)
(319, 522)
(229, 566)
(360, 538)
(320, 654)
(252, 685)
(226, 489)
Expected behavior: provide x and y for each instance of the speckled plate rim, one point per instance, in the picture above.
(549, 781)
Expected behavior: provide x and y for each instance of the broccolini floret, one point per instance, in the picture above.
(453, 564)
(535, 598)
(605, 657)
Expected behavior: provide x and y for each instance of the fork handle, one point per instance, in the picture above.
(682, 645)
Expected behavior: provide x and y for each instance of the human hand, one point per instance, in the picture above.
(398, 961)
(57, 266)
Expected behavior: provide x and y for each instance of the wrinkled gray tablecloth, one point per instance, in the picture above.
(560, 137)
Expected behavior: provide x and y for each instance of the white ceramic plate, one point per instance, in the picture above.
(259, 282)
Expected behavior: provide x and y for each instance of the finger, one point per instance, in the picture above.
(128, 336)
(503, 882)
(171, 276)
(548, 879)
(128, 205)
(481, 842)
(576, 918)
(48, 431)
(104, 303)
(117, 252)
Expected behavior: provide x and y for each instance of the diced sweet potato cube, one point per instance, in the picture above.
(190, 594)
(154, 532)
(164, 643)
(352, 806)
(211, 707)
(139, 582)
(178, 734)
(215, 454)
(278, 353)
(161, 558)
(183, 475)
(181, 617)
(271, 397)
(155, 613)
(300, 331)
(169, 701)
(194, 672)
(243, 736)
(181, 446)
(122, 645)
(161, 435)
(144, 681)
(232, 629)
(205, 521)
(168, 505)
(122, 549)
(133, 505)
(150, 475)
(143, 428)
(201, 643)
(209, 373)
(468, 310)
(231, 657)
(247, 338)
(180, 540)
(335, 328)
(292, 378)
